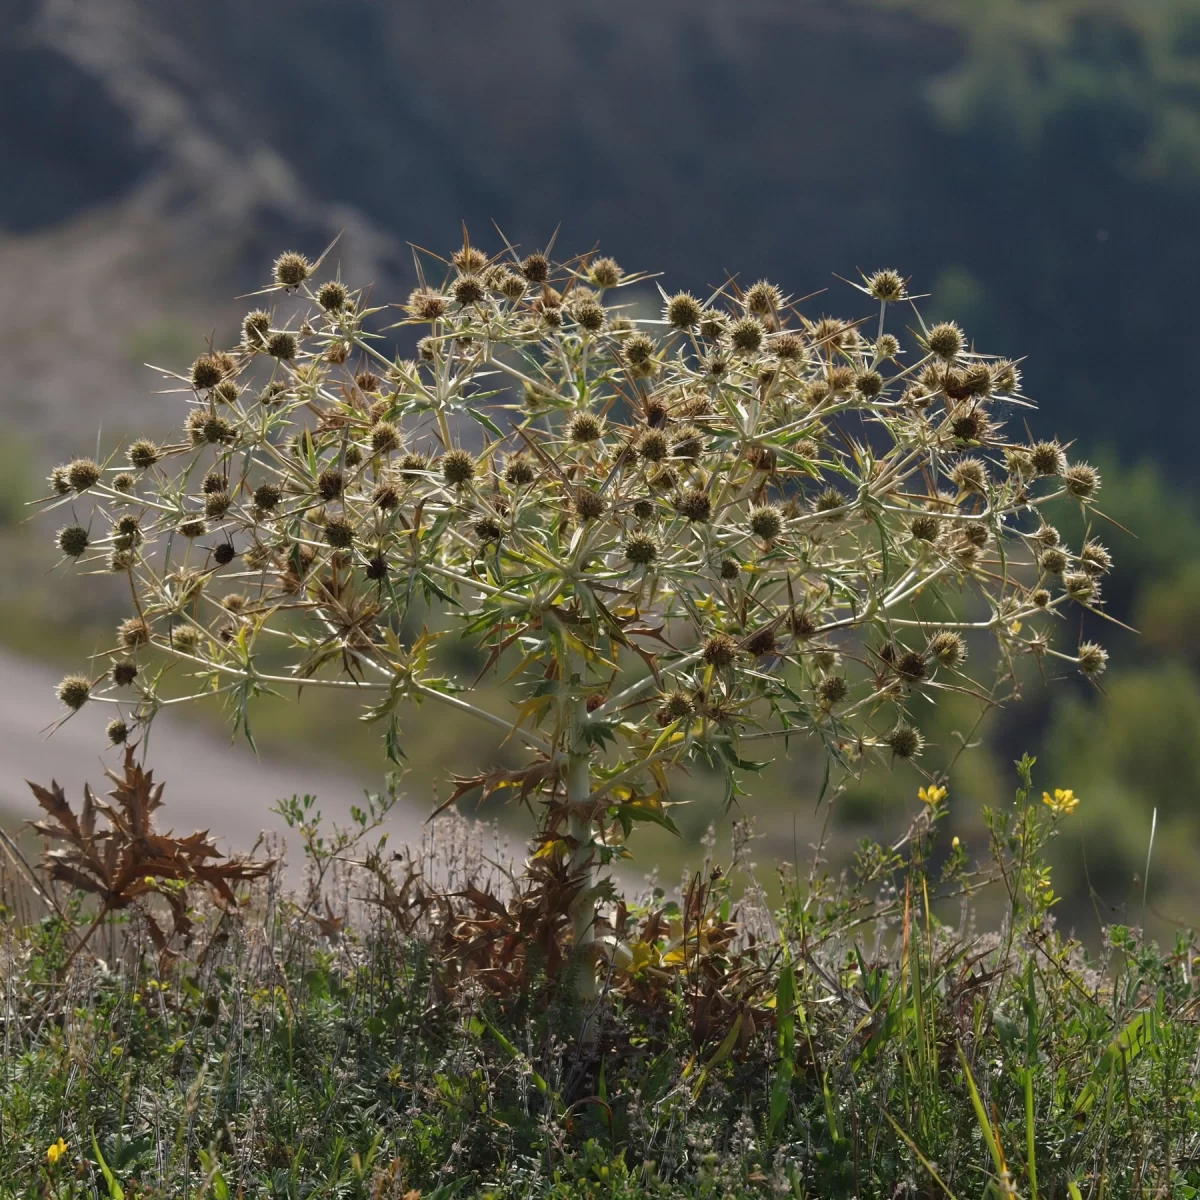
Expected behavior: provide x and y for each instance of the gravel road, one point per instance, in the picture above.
(210, 783)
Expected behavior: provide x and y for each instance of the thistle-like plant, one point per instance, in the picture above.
(677, 537)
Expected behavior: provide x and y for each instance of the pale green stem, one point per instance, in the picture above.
(581, 830)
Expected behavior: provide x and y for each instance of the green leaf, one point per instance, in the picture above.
(115, 1191)
(1125, 1047)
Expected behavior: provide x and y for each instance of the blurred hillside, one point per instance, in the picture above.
(1033, 164)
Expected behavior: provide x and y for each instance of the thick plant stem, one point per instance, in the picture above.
(580, 829)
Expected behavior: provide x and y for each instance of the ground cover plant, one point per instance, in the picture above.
(686, 532)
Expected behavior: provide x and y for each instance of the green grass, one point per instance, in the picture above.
(851, 1043)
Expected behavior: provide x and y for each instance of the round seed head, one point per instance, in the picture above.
(73, 540)
(840, 379)
(413, 463)
(117, 731)
(332, 296)
(948, 648)
(510, 285)
(133, 633)
(946, 340)
(1053, 561)
(766, 522)
(469, 260)
(518, 471)
(1046, 535)
(206, 372)
(124, 672)
(829, 500)
(488, 529)
(746, 334)
(292, 269)
(911, 665)
(468, 289)
(713, 324)
(120, 560)
(1093, 659)
(729, 569)
(786, 346)
(267, 495)
(1095, 559)
(377, 568)
(74, 691)
(638, 350)
(214, 481)
(224, 553)
(143, 454)
(386, 496)
(605, 273)
(458, 467)
(585, 427)
(1006, 376)
(886, 285)
(676, 706)
(185, 637)
(687, 442)
(425, 305)
(868, 383)
(695, 505)
(762, 298)
(588, 315)
(762, 642)
(256, 328)
(330, 483)
(536, 268)
(833, 689)
(274, 393)
(653, 445)
(969, 424)
(83, 473)
(282, 345)
(643, 510)
(970, 475)
(339, 532)
(385, 437)
(641, 549)
(124, 482)
(720, 650)
(226, 392)
(588, 504)
(925, 527)
(905, 741)
(684, 311)
(216, 505)
(59, 481)
(1039, 597)
(1080, 586)
(1081, 480)
(1048, 458)
(352, 457)
(194, 527)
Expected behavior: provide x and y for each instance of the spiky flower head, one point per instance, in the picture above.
(676, 706)
(268, 495)
(469, 260)
(224, 553)
(73, 540)
(385, 437)
(653, 445)
(1095, 558)
(641, 549)
(1093, 659)
(59, 481)
(828, 500)
(948, 648)
(488, 529)
(1080, 586)
(695, 505)
(868, 383)
(720, 650)
(206, 372)
(518, 470)
(256, 328)
(588, 315)
(605, 273)
(536, 268)
(946, 340)
(124, 672)
(638, 350)
(282, 345)
(762, 298)
(746, 334)
(925, 527)
(684, 311)
(143, 454)
(292, 269)
(762, 642)
(584, 427)
(458, 467)
(833, 689)
(888, 346)
(1048, 458)
(970, 475)
(904, 741)
(74, 691)
(588, 505)
(339, 532)
(468, 289)
(332, 296)
(886, 285)
(1053, 561)
(117, 731)
(766, 521)
(83, 473)
(1081, 480)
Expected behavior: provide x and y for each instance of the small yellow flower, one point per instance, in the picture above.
(1063, 801)
(932, 795)
(955, 842)
(56, 1151)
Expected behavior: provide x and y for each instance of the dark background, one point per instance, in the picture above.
(1034, 165)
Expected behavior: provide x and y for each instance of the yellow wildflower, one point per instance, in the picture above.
(955, 842)
(1063, 801)
(56, 1151)
(932, 795)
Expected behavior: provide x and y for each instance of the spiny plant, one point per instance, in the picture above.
(676, 536)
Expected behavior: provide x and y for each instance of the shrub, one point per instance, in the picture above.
(677, 538)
